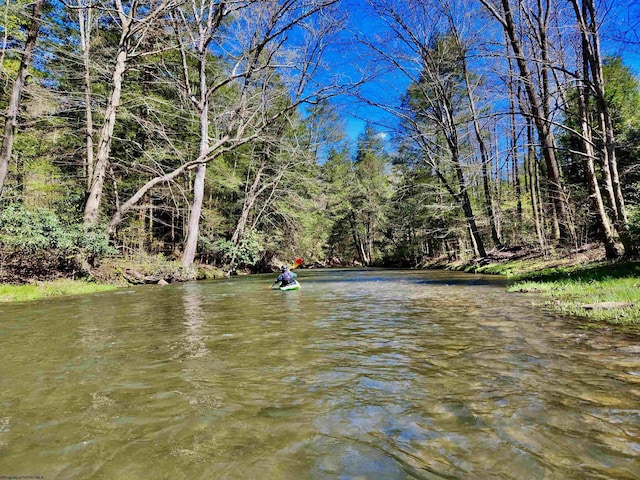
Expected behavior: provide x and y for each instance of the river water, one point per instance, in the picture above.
(359, 375)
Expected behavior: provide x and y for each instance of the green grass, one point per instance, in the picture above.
(568, 289)
(36, 291)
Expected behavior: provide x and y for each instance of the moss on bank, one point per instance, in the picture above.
(38, 290)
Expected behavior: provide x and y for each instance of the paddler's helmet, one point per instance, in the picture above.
(284, 268)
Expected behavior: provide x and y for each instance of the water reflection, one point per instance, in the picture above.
(361, 374)
(194, 322)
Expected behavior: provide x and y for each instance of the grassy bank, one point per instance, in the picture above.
(603, 292)
(38, 290)
(579, 283)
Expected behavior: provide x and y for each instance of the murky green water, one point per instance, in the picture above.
(359, 375)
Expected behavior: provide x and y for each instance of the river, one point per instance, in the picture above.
(362, 374)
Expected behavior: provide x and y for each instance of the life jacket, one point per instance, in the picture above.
(286, 278)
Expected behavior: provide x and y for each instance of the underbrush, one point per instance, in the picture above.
(143, 268)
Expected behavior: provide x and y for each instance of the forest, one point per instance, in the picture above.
(217, 132)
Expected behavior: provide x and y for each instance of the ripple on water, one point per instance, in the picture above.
(361, 374)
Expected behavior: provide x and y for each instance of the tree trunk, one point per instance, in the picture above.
(209, 17)
(587, 142)
(16, 93)
(514, 153)
(248, 203)
(476, 239)
(465, 203)
(132, 30)
(84, 21)
(193, 225)
(92, 205)
(370, 236)
(564, 231)
(193, 228)
(357, 240)
(534, 190)
(5, 33)
(588, 24)
(484, 158)
(594, 187)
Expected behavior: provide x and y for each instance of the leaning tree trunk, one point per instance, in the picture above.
(249, 202)
(92, 205)
(463, 196)
(14, 102)
(476, 239)
(587, 141)
(594, 186)
(357, 240)
(133, 29)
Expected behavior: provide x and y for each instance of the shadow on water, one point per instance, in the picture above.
(376, 374)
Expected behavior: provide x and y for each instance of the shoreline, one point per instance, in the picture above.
(579, 283)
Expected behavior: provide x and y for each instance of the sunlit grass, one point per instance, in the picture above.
(582, 292)
(35, 291)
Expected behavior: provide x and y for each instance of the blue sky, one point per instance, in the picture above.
(351, 59)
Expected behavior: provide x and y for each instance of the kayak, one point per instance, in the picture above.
(293, 286)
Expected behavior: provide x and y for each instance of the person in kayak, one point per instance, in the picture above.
(287, 277)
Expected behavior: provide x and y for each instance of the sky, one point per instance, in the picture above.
(351, 59)
(354, 61)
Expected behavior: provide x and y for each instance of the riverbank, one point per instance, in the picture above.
(573, 282)
(577, 282)
(110, 274)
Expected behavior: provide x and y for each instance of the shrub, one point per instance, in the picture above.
(29, 230)
(247, 253)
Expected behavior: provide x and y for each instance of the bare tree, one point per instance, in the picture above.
(485, 158)
(202, 22)
(18, 85)
(588, 26)
(592, 179)
(5, 31)
(268, 77)
(262, 179)
(85, 24)
(432, 62)
(134, 21)
(538, 103)
(534, 188)
(84, 12)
